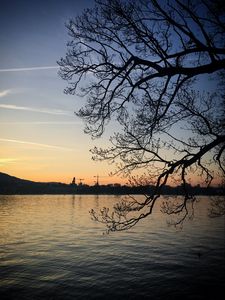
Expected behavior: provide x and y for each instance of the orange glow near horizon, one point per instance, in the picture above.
(57, 152)
(32, 161)
(84, 177)
(52, 165)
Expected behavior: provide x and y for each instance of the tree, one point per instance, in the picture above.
(144, 65)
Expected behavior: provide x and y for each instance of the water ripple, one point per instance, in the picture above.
(51, 249)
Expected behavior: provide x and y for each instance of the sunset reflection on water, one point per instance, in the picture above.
(50, 248)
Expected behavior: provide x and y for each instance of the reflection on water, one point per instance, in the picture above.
(51, 249)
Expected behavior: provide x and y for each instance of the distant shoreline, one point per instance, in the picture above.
(65, 189)
(10, 185)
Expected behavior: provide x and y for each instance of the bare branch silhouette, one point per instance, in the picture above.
(142, 63)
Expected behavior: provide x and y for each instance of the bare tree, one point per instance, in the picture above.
(144, 64)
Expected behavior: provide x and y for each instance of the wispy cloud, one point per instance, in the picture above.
(4, 93)
(42, 123)
(35, 144)
(35, 109)
(29, 69)
(5, 161)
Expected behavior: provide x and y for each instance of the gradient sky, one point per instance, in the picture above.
(40, 138)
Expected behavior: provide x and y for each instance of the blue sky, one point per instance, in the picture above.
(40, 138)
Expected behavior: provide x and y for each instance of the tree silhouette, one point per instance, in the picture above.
(145, 64)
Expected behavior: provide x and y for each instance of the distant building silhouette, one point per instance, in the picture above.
(73, 181)
(81, 179)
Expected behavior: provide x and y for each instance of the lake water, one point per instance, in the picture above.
(51, 249)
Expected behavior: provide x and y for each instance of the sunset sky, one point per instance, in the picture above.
(40, 137)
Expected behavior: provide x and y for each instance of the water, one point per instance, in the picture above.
(51, 249)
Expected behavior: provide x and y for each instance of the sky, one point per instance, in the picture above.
(40, 137)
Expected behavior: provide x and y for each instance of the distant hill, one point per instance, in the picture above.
(6, 179)
(13, 185)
